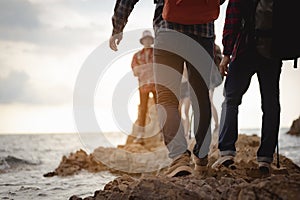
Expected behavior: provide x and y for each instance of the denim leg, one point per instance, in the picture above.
(236, 84)
(167, 65)
(268, 77)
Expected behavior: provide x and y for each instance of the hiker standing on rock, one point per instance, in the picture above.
(142, 67)
(240, 62)
(200, 28)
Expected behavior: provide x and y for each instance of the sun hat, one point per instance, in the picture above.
(146, 34)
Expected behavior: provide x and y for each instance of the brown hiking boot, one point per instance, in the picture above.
(264, 168)
(200, 163)
(180, 166)
(226, 161)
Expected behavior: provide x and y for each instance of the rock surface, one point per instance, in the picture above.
(295, 128)
(140, 167)
(193, 187)
(147, 154)
(245, 182)
(76, 162)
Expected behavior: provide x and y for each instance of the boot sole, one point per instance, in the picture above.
(180, 171)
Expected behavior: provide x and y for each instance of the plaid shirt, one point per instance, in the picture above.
(234, 41)
(123, 8)
(142, 67)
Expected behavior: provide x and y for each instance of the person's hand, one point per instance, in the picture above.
(224, 65)
(115, 40)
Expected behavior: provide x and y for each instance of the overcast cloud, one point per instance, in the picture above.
(18, 14)
(13, 88)
(56, 29)
(17, 88)
(65, 23)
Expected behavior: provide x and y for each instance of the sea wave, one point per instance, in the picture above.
(10, 162)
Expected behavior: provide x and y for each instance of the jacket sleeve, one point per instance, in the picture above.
(232, 26)
(122, 10)
(134, 65)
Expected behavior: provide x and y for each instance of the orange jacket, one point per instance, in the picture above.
(142, 67)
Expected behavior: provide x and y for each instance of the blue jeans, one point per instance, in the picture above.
(237, 82)
(169, 95)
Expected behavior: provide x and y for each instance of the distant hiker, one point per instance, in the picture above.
(240, 62)
(142, 67)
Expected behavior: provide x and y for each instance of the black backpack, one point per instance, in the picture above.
(272, 26)
(286, 23)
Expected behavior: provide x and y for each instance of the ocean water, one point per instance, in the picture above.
(25, 158)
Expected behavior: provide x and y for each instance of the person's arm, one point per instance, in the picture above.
(218, 55)
(122, 10)
(224, 65)
(231, 29)
(135, 65)
(232, 26)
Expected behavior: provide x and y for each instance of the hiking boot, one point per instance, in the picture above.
(264, 168)
(180, 166)
(226, 161)
(139, 139)
(200, 163)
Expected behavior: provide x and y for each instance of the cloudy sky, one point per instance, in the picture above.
(43, 45)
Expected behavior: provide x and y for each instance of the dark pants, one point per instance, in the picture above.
(169, 95)
(143, 109)
(237, 82)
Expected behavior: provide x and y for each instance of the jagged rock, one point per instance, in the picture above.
(295, 128)
(149, 154)
(144, 188)
(133, 158)
(193, 187)
(129, 160)
(75, 162)
(74, 197)
(245, 182)
(274, 187)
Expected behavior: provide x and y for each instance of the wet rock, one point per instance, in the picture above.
(50, 174)
(295, 128)
(74, 197)
(76, 162)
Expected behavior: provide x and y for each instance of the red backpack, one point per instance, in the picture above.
(191, 11)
